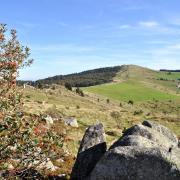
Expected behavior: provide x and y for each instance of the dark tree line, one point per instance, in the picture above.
(83, 79)
(168, 70)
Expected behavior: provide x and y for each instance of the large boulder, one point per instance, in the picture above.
(158, 134)
(92, 148)
(147, 151)
(163, 130)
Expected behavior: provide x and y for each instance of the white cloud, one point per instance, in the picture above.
(124, 26)
(165, 63)
(148, 24)
(166, 57)
(174, 47)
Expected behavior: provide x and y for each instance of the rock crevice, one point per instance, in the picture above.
(92, 148)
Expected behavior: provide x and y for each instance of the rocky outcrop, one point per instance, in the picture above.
(130, 162)
(163, 130)
(150, 131)
(92, 148)
(147, 151)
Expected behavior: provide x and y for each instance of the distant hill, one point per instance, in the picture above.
(86, 78)
(139, 84)
(168, 70)
(82, 79)
(111, 74)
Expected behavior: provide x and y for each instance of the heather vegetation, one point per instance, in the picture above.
(27, 143)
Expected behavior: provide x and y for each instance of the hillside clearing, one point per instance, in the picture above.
(130, 90)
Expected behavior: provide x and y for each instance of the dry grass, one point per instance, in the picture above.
(61, 102)
(94, 109)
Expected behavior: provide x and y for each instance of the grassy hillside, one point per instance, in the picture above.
(131, 90)
(153, 99)
(140, 84)
(93, 108)
(135, 72)
(169, 75)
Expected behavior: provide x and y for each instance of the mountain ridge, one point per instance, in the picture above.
(105, 75)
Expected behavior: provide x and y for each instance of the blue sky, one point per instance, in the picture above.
(67, 36)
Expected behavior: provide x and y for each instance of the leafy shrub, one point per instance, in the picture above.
(39, 85)
(24, 139)
(68, 86)
(53, 112)
(80, 92)
(169, 73)
(131, 102)
(116, 116)
(53, 87)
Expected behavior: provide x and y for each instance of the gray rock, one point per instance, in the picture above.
(162, 129)
(134, 140)
(49, 120)
(134, 162)
(71, 122)
(92, 148)
(149, 133)
(147, 151)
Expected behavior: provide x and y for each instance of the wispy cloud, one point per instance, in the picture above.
(148, 24)
(149, 28)
(166, 57)
(85, 35)
(174, 47)
(141, 25)
(124, 26)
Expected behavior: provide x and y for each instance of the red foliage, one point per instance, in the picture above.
(11, 64)
(40, 129)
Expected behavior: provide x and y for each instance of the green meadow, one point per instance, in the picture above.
(169, 76)
(130, 90)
